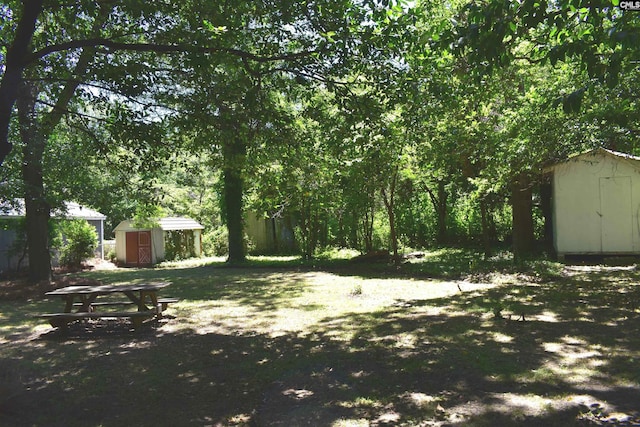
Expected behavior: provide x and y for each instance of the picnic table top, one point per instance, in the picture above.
(108, 289)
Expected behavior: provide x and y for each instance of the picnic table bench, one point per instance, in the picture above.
(83, 299)
(164, 302)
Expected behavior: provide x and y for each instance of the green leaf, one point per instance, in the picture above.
(329, 35)
(215, 29)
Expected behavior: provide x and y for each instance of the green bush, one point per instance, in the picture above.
(111, 255)
(179, 244)
(215, 243)
(79, 240)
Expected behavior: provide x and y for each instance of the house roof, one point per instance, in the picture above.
(166, 224)
(594, 152)
(15, 208)
(76, 210)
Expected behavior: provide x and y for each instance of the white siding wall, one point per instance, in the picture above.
(596, 200)
(157, 245)
(197, 242)
(121, 246)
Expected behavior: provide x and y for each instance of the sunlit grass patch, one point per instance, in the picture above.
(500, 268)
(361, 402)
(337, 253)
(239, 420)
(544, 375)
(273, 260)
(422, 400)
(362, 422)
(405, 349)
(191, 262)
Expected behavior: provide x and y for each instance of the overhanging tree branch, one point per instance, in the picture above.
(164, 48)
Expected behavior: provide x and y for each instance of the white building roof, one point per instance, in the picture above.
(15, 208)
(179, 223)
(166, 224)
(593, 152)
(619, 154)
(75, 210)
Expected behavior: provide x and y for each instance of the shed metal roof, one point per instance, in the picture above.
(166, 224)
(179, 223)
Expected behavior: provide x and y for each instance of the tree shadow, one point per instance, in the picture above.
(454, 374)
(265, 289)
(447, 361)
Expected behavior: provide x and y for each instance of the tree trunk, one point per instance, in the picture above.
(547, 213)
(522, 216)
(393, 235)
(354, 237)
(275, 248)
(367, 227)
(305, 228)
(316, 231)
(441, 237)
(439, 202)
(35, 136)
(324, 232)
(37, 210)
(14, 67)
(234, 152)
(342, 237)
(486, 236)
(389, 202)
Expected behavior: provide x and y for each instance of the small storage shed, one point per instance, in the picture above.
(596, 204)
(143, 247)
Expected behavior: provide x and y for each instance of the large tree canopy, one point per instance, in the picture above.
(352, 115)
(133, 65)
(599, 37)
(305, 39)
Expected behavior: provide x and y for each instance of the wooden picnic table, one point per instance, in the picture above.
(86, 302)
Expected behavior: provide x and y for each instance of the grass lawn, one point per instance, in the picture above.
(443, 341)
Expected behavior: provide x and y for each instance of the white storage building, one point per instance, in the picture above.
(596, 204)
(146, 246)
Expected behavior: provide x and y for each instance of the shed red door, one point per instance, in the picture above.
(138, 248)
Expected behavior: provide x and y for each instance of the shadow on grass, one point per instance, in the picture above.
(444, 361)
(453, 264)
(263, 288)
(445, 263)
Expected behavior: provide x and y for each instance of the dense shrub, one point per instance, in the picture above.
(78, 240)
(179, 244)
(18, 247)
(215, 243)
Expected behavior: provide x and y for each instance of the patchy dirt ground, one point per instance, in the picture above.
(460, 358)
(18, 288)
